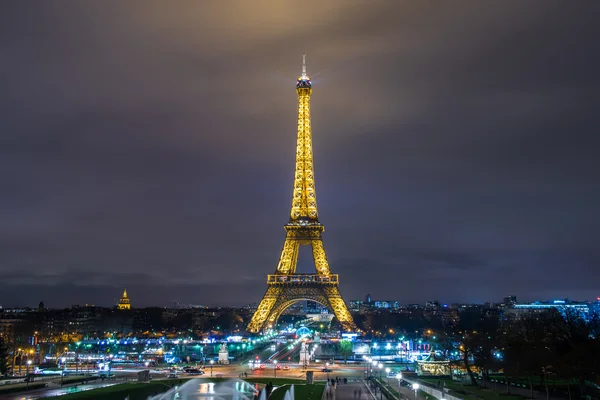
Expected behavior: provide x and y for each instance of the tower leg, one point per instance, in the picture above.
(279, 298)
(265, 309)
(339, 308)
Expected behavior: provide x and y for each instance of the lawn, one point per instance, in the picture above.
(304, 392)
(470, 391)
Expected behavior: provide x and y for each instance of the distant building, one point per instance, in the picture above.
(355, 305)
(387, 304)
(368, 298)
(519, 310)
(509, 301)
(124, 303)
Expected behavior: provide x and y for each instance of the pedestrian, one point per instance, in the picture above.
(360, 393)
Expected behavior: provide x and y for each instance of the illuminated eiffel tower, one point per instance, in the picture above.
(286, 287)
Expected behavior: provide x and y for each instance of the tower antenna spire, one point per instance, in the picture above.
(304, 65)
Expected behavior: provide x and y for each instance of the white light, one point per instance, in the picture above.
(399, 375)
(387, 370)
(415, 386)
(380, 366)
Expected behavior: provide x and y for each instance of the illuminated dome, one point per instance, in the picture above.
(124, 303)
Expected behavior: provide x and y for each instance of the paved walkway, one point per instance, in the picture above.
(348, 391)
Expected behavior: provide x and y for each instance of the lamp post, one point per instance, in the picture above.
(380, 366)
(327, 370)
(415, 387)
(275, 367)
(399, 377)
(62, 373)
(387, 373)
(211, 364)
(28, 364)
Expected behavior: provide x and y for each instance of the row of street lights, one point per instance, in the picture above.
(369, 362)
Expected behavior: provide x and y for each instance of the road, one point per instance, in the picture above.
(282, 354)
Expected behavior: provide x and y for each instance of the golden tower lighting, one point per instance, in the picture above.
(285, 287)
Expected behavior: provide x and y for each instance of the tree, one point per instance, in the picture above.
(578, 349)
(3, 358)
(345, 349)
(531, 345)
(485, 343)
(469, 334)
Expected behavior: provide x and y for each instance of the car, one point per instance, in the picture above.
(286, 367)
(173, 375)
(278, 367)
(326, 370)
(262, 367)
(194, 371)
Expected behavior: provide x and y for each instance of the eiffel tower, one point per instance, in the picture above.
(287, 287)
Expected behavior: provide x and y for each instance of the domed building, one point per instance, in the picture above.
(124, 303)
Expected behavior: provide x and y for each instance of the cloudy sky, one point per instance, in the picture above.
(150, 145)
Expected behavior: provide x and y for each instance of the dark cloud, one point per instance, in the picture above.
(152, 146)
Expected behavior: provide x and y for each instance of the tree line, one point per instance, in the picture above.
(537, 348)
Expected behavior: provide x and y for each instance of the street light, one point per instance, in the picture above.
(327, 370)
(399, 377)
(211, 364)
(415, 386)
(387, 372)
(380, 366)
(28, 364)
(275, 367)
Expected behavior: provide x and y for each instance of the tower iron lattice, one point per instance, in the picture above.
(286, 287)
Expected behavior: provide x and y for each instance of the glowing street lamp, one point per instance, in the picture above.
(415, 387)
(380, 366)
(275, 367)
(399, 377)
(211, 364)
(387, 372)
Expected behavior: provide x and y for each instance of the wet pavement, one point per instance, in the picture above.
(52, 392)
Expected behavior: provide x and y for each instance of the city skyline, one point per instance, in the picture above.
(157, 155)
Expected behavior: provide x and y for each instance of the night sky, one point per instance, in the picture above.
(150, 145)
